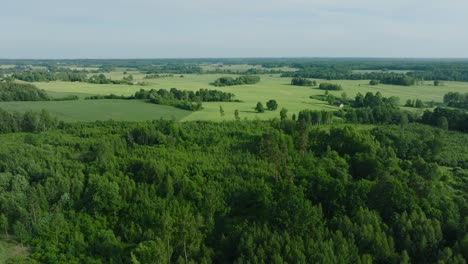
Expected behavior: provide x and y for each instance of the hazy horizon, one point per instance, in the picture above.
(141, 29)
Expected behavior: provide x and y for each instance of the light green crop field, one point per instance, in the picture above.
(90, 110)
(293, 98)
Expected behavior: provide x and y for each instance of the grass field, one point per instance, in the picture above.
(89, 110)
(12, 252)
(293, 98)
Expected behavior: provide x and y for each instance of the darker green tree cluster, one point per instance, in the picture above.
(330, 87)
(11, 122)
(375, 109)
(456, 99)
(418, 103)
(446, 118)
(341, 73)
(303, 82)
(184, 99)
(271, 105)
(11, 91)
(174, 97)
(47, 76)
(229, 81)
(310, 117)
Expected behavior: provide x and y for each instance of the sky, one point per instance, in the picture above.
(65, 29)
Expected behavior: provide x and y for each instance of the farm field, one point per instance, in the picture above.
(293, 98)
(90, 110)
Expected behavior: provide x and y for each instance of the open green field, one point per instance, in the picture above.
(293, 98)
(12, 252)
(90, 110)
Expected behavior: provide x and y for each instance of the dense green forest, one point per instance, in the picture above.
(10, 91)
(236, 192)
(456, 99)
(70, 76)
(329, 74)
(46, 76)
(330, 87)
(229, 81)
(303, 82)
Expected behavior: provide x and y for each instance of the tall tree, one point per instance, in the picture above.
(259, 107)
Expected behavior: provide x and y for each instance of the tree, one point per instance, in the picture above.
(221, 110)
(436, 83)
(4, 223)
(344, 97)
(403, 120)
(409, 103)
(236, 114)
(259, 108)
(419, 103)
(283, 114)
(374, 82)
(358, 100)
(442, 123)
(272, 105)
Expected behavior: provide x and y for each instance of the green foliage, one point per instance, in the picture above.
(259, 108)
(303, 82)
(418, 103)
(236, 114)
(241, 80)
(283, 114)
(11, 122)
(330, 87)
(235, 192)
(456, 99)
(11, 91)
(47, 76)
(342, 72)
(272, 105)
(456, 119)
(221, 111)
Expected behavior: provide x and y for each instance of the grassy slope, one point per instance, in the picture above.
(293, 98)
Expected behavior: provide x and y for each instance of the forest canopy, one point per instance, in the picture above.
(243, 191)
(241, 80)
(11, 91)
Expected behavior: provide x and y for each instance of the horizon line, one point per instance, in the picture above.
(234, 58)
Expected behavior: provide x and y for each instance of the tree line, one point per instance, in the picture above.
(337, 74)
(446, 119)
(47, 76)
(303, 82)
(456, 99)
(11, 122)
(183, 99)
(241, 80)
(11, 91)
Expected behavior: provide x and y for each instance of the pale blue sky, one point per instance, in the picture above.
(236, 28)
